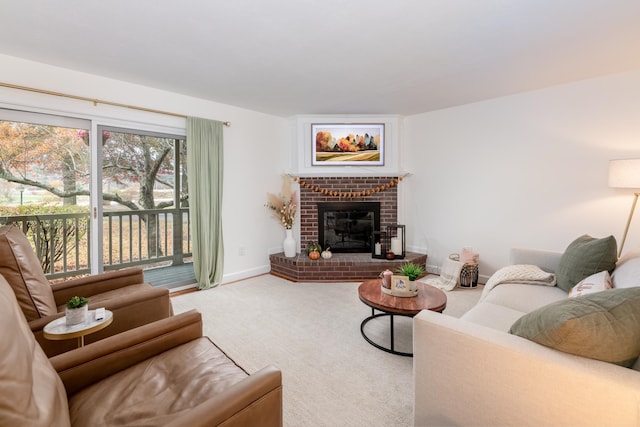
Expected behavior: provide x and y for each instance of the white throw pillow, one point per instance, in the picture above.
(595, 283)
(627, 271)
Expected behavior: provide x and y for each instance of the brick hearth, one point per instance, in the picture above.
(340, 268)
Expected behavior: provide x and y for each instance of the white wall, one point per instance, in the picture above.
(255, 146)
(524, 170)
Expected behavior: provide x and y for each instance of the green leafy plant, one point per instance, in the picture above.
(77, 302)
(411, 270)
(313, 246)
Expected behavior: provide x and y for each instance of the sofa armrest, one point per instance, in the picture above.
(254, 401)
(546, 260)
(96, 284)
(37, 325)
(84, 366)
(467, 374)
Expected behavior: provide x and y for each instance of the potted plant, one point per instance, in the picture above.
(411, 270)
(313, 250)
(284, 207)
(76, 311)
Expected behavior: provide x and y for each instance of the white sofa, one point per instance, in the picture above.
(471, 372)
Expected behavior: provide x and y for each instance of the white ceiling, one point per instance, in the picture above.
(287, 57)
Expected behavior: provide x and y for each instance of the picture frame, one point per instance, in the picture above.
(336, 144)
(399, 284)
(401, 287)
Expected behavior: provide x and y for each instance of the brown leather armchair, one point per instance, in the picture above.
(133, 302)
(162, 374)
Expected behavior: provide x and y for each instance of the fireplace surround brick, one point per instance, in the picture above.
(309, 199)
(341, 267)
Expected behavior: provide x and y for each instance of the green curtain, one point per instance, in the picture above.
(204, 171)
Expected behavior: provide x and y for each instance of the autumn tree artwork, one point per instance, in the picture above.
(347, 144)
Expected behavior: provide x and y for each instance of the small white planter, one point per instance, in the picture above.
(75, 316)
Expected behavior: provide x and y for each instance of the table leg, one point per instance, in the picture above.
(390, 349)
(392, 337)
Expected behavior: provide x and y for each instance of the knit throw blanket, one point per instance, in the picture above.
(449, 276)
(519, 273)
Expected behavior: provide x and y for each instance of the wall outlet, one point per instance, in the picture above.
(242, 251)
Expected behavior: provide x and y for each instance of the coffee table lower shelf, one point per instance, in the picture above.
(391, 349)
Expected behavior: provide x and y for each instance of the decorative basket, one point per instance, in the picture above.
(469, 276)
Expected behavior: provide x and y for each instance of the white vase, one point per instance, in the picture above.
(289, 244)
(75, 316)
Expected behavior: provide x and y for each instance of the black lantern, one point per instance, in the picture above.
(396, 240)
(378, 244)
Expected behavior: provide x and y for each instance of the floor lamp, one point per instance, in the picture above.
(625, 174)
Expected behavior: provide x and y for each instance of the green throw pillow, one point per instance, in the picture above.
(583, 257)
(601, 326)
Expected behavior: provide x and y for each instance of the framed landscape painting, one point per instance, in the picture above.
(347, 144)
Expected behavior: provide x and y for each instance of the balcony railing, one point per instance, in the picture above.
(130, 238)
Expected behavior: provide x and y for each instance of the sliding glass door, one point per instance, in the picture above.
(86, 206)
(44, 187)
(145, 198)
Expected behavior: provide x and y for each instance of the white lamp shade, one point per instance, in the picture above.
(624, 173)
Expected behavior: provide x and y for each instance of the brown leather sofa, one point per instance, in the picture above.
(133, 302)
(162, 374)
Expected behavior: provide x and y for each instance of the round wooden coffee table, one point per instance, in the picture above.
(428, 298)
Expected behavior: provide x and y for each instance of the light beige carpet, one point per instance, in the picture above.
(311, 331)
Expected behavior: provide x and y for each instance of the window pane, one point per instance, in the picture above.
(139, 192)
(44, 188)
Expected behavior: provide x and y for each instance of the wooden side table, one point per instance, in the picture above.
(58, 329)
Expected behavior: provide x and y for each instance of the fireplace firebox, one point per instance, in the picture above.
(347, 226)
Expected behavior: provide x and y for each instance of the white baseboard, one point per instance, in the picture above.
(245, 274)
(433, 269)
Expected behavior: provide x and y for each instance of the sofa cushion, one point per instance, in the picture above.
(595, 283)
(627, 271)
(21, 267)
(523, 297)
(157, 390)
(508, 302)
(601, 326)
(583, 257)
(32, 392)
(494, 316)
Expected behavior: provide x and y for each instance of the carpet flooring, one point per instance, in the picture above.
(311, 331)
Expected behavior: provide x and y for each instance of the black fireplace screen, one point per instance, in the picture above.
(347, 226)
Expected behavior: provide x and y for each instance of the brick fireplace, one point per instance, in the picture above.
(309, 198)
(342, 266)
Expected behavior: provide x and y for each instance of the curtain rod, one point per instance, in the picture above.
(96, 101)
